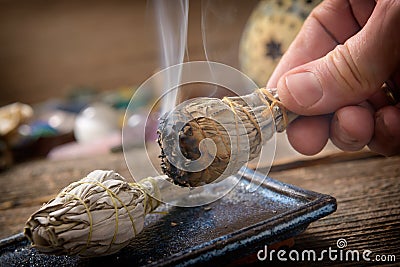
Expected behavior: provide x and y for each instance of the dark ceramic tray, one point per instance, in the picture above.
(239, 224)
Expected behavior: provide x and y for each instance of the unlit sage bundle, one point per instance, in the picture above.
(97, 215)
(208, 139)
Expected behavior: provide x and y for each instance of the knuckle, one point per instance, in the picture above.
(346, 72)
(389, 3)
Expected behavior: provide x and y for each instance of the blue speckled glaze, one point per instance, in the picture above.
(232, 227)
(296, 222)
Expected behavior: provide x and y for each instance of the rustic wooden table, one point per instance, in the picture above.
(366, 188)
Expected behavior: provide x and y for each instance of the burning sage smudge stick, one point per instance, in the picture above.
(97, 215)
(238, 127)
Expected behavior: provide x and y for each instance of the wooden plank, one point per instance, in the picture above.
(367, 192)
(368, 214)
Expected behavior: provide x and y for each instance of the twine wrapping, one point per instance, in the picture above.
(98, 215)
(274, 104)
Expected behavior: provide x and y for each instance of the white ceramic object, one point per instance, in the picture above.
(95, 122)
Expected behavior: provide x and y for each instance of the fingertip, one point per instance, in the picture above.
(309, 135)
(352, 128)
(283, 93)
(386, 139)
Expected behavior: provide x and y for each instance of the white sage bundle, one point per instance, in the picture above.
(236, 126)
(97, 215)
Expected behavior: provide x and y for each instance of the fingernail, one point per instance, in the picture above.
(304, 88)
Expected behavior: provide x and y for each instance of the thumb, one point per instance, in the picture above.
(350, 73)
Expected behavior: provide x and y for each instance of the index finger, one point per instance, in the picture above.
(329, 24)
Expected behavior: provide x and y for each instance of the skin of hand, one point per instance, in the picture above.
(333, 74)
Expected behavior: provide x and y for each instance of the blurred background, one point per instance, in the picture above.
(68, 68)
(48, 48)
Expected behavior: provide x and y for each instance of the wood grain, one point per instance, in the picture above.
(367, 192)
(368, 213)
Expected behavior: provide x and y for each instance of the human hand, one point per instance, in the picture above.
(333, 73)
